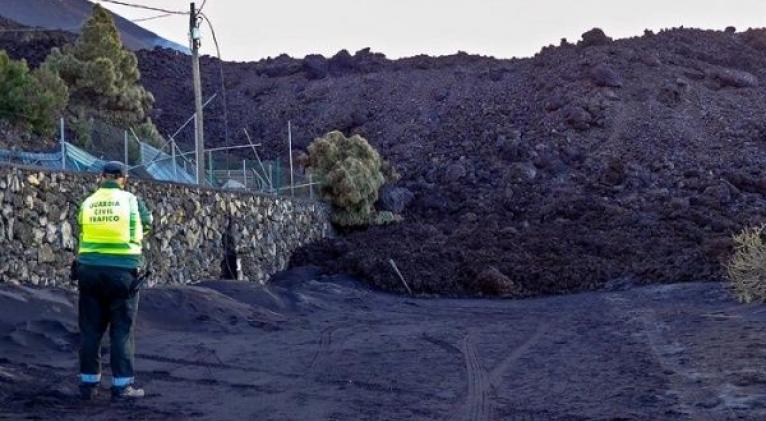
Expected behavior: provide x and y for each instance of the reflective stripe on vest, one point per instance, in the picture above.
(111, 223)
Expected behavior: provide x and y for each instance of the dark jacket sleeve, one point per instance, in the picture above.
(147, 221)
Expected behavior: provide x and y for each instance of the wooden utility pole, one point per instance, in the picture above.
(199, 130)
(290, 146)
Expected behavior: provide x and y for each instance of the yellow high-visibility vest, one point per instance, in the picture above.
(110, 224)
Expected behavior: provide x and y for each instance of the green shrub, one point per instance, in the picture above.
(32, 100)
(83, 127)
(102, 76)
(147, 132)
(747, 267)
(352, 173)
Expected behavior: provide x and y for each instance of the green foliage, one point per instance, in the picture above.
(32, 100)
(747, 268)
(82, 127)
(147, 132)
(102, 76)
(352, 174)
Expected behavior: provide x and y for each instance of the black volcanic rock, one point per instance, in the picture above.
(594, 37)
(603, 75)
(394, 199)
(577, 117)
(735, 78)
(33, 46)
(525, 166)
(316, 67)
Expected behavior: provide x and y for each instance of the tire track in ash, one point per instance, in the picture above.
(323, 347)
(209, 365)
(688, 386)
(165, 376)
(477, 406)
(326, 346)
(496, 375)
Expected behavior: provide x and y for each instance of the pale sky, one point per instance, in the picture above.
(254, 29)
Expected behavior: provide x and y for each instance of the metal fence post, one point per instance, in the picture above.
(126, 148)
(175, 165)
(63, 145)
(290, 145)
(210, 167)
(244, 173)
(311, 186)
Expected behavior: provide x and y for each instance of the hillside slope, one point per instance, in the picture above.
(627, 161)
(69, 15)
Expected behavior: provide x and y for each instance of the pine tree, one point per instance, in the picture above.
(102, 76)
(31, 100)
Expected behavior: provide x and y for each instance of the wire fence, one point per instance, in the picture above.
(227, 168)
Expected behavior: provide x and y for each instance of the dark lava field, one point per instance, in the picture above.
(593, 163)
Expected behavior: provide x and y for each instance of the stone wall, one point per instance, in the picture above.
(193, 228)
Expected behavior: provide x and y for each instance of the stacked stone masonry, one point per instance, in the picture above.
(194, 229)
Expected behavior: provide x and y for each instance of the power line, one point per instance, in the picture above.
(141, 6)
(164, 15)
(74, 28)
(223, 84)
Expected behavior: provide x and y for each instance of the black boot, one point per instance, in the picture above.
(126, 392)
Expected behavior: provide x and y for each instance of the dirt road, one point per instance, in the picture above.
(330, 349)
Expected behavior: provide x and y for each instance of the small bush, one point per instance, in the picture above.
(32, 100)
(352, 174)
(147, 132)
(747, 268)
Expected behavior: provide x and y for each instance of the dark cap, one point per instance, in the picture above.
(115, 168)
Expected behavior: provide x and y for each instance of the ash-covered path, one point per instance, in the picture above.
(330, 349)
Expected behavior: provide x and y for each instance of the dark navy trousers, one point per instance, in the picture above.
(107, 301)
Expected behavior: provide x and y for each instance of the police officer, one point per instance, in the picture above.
(113, 223)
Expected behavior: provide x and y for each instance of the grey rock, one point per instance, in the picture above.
(594, 37)
(718, 194)
(454, 172)
(577, 117)
(492, 281)
(67, 241)
(605, 76)
(522, 171)
(651, 59)
(395, 199)
(38, 235)
(45, 254)
(51, 233)
(734, 78)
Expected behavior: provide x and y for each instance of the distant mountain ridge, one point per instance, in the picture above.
(69, 15)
